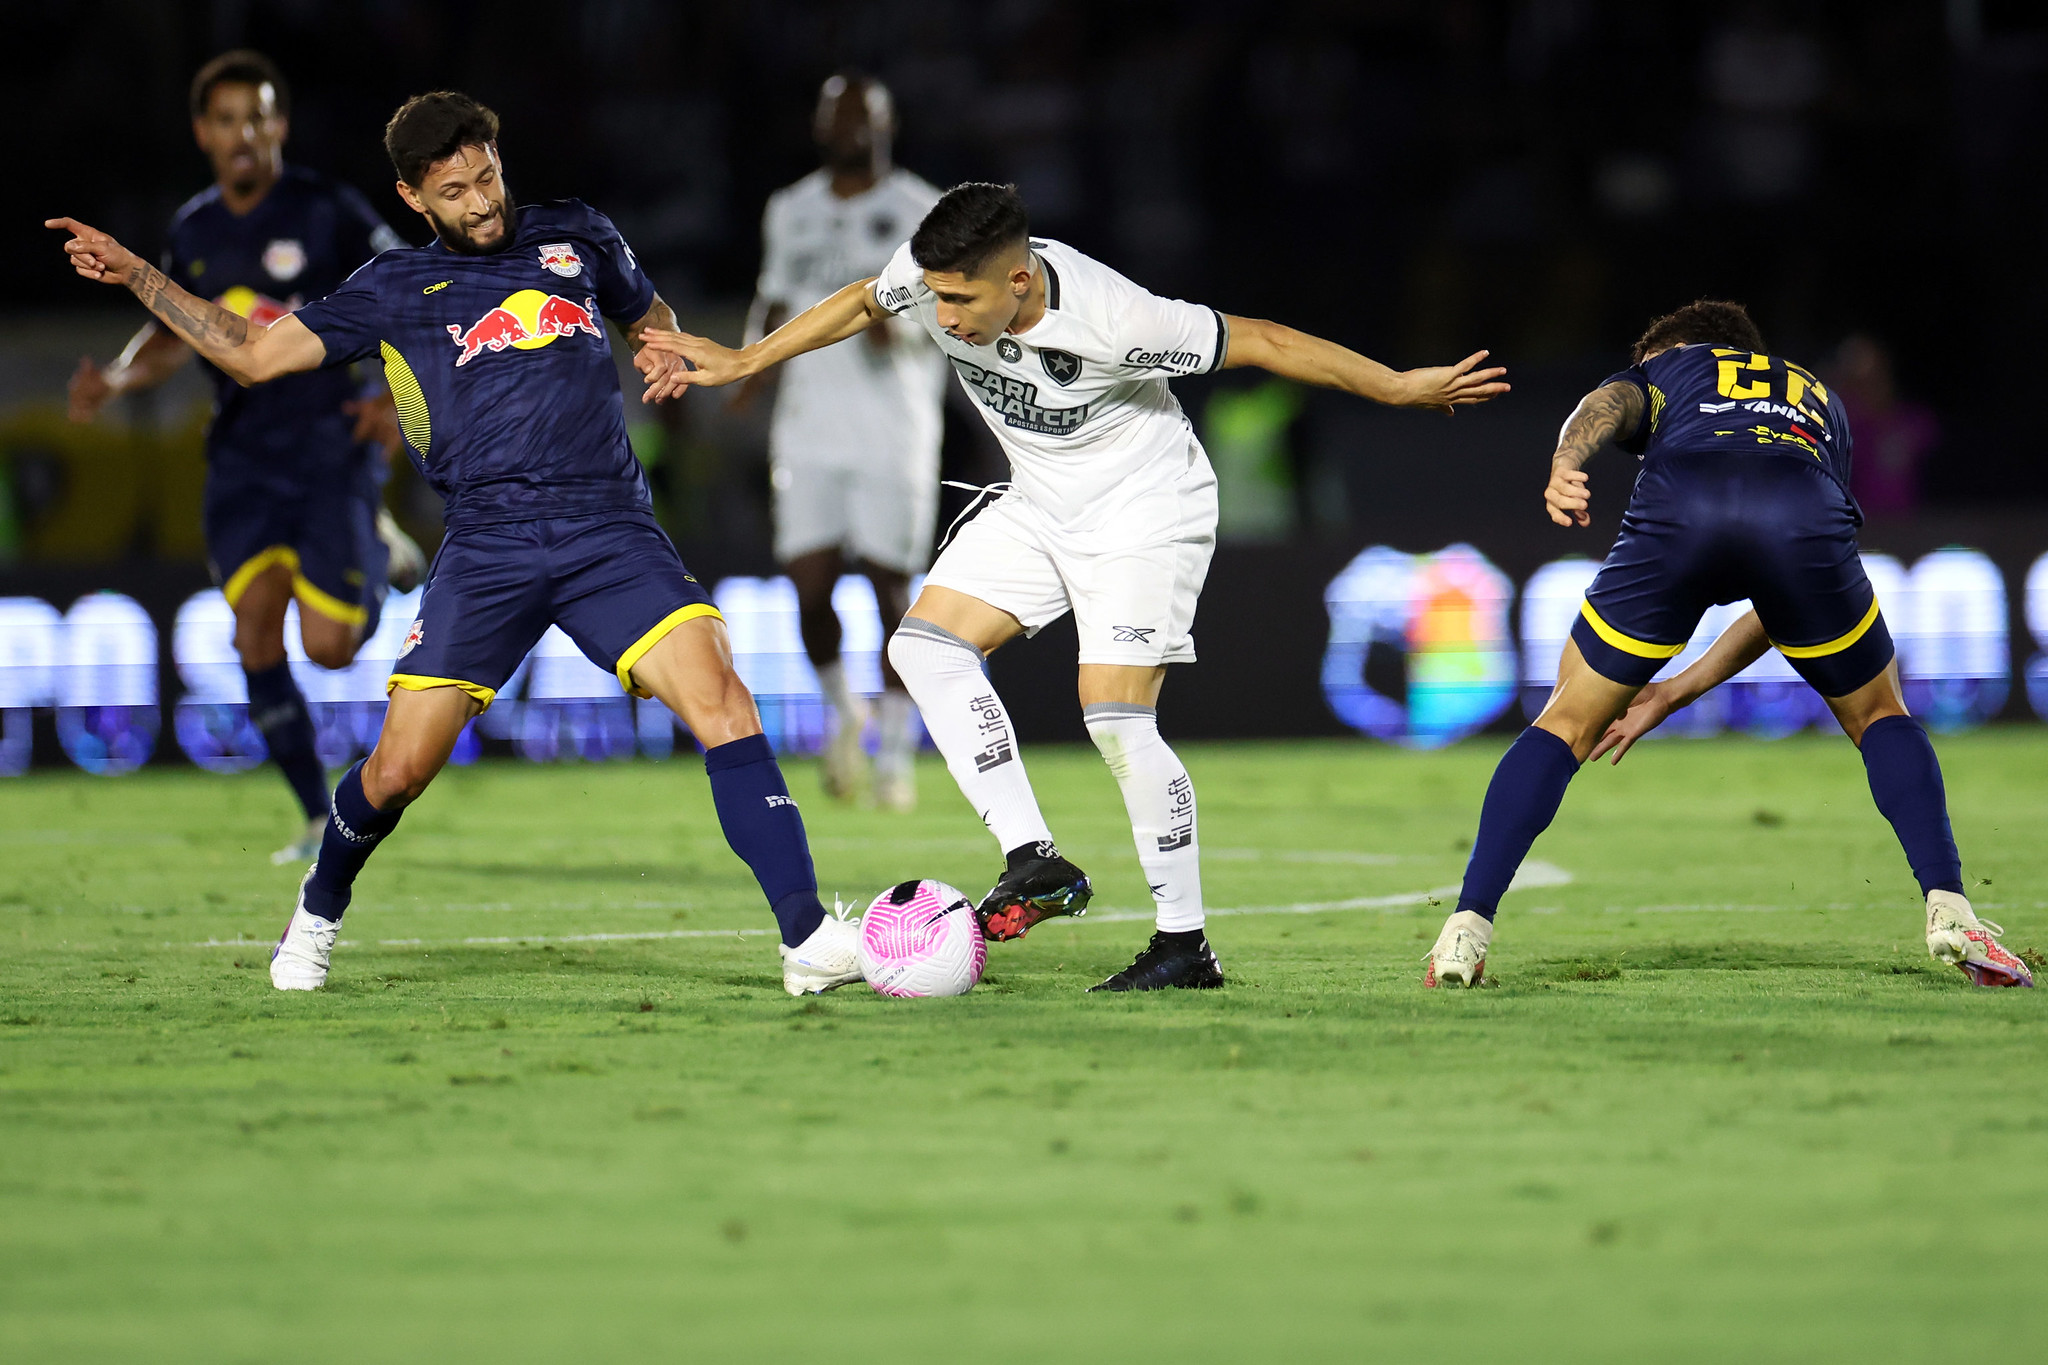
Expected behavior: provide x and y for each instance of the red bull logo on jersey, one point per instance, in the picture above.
(561, 258)
(525, 321)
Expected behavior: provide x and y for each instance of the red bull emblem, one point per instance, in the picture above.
(526, 321)
(413, 637)
(561, 258)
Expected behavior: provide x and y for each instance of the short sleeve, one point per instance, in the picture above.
(363, 234)
(624, 293)
(1634, 441)
(900, 282)
(348, 321)
(1168, 336)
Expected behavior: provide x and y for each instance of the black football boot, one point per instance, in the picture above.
(1038, 884)
(1185, 961)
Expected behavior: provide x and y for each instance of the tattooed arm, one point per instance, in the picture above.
(1607, 412)
(246, 354)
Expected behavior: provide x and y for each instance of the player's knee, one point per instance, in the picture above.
(331, 652)
(395, 778)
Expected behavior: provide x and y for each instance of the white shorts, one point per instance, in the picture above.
(1131, 581)
(878, 516)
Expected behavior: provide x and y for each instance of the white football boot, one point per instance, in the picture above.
(828, 959)
(299, 961)
(405, 563)
(1459, 957)
(846, 762)
(896, 791)
(305, 848)
(1956, 936)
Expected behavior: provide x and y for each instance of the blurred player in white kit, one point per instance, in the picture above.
(854, 444)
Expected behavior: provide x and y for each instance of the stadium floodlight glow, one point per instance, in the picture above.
(573, 709)
(107, 714)
(1550, 604)
(1446, 616)
(211, 721)
(768, 652)
(30, 632)
(1948, 617)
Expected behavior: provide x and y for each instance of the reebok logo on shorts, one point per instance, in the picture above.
(1134, 635)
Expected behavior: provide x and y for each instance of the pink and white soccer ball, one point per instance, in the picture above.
(921, 938)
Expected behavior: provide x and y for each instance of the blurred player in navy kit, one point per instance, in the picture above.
(295, 469)
(494, 345)
(1743, 494)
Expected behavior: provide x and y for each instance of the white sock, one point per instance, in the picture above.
(969, 723)
(897, 752)
(845, 709)
(1161, 800)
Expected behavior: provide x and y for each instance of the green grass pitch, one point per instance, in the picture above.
(1716, 1104)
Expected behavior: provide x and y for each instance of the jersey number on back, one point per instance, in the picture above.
(1746, 374)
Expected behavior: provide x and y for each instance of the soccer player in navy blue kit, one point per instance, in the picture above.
(494, 345)
(1743, 494)
(294, 471)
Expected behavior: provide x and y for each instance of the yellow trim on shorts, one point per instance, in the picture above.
(415, 682)
(1627, 644)
(1837, 645)
(310, 596)
(638, 649)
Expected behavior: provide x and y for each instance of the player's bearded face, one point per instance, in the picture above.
(465, 198)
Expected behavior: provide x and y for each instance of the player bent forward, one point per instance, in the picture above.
(511, 385)
(1112, 516)
(1743, 494)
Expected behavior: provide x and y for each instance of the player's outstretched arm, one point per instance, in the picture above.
(1741, 645)
(151, 356)
(1601, 415)
(850, 311)
(246, 353)
(1311, 360)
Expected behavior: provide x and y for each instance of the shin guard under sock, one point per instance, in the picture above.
(1521, 801)
(354, 829)
(278, 712)
(1905, 780)
(762, 825)
(1160, 799)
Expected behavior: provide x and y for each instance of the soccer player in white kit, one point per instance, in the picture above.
(854, 446)
(1112, 516)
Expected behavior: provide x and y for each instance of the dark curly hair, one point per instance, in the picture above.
(433, 127)
(1703, 322)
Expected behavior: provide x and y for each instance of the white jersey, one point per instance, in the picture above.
(1080, 402)
(852, 405)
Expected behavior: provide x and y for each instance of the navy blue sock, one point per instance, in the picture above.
(354, 830)
(1905, 779)
(1521, 801)
(278, 711)
(762, 825)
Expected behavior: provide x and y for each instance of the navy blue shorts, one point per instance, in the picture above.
(1703, 529)
(324, 530)
(611, 580)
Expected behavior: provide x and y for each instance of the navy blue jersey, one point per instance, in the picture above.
(500, 364)
(300, 241)
(1710, 398)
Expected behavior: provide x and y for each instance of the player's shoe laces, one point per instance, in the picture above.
(828, 959)
(1038, 884)
(305, 848)
(405, 564)
(1182, 961)
(1459, 957)
(1956, 936)
(299, 961)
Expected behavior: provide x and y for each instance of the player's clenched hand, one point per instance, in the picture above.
(88, 391)
(1446, 388)
(705, 362)
(1567, 497)
(93, 253)
(1648, 711)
